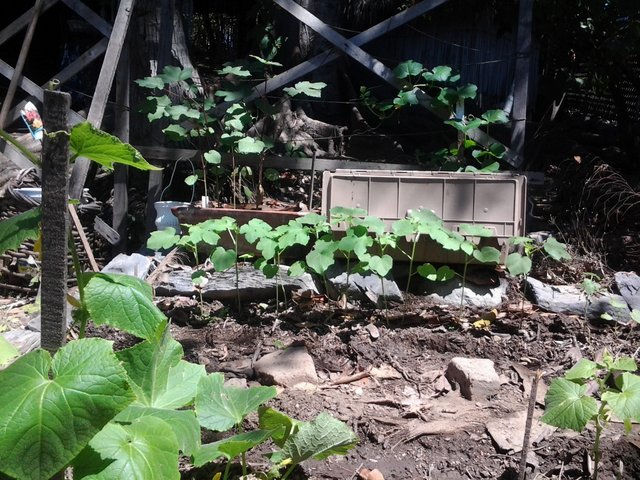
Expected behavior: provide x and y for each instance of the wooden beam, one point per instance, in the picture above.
(324, 58)
(121, 172)
(22, 58)
(340, 42)
(103, 87)
(65, 75)
(170, 155)
(521, 81)
(22, 21)
(91, 17)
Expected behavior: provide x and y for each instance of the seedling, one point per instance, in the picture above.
(520, 264)
(570, 405)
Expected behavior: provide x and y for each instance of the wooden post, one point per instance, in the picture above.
(521, 87)
(121, 172)
(154, 189)
(55, 221)
(22, 58)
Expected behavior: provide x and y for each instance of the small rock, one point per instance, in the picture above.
(286, 367)
(476, 377)
(629, 286)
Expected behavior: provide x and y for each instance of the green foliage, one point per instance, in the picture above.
(7, 351)
(570, 403)
(51, 408)
(310, 89)
(123, 302)
(19, 228)
(87, 141)
(441, 83)
(220, 408)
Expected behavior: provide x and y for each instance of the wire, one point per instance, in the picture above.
(175, 165)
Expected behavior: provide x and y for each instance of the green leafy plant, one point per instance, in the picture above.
(442, 84)
(417, 224)
(115, 415)
(569, 403)
(519, 264)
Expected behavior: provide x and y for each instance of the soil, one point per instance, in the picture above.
(409, 421)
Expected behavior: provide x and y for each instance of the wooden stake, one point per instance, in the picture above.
(55, 220)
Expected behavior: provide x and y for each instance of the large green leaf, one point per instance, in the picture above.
(410, 68)
(87, 141)
(7, 351)
(123, 302)
(163, 239)
(555, 249)
(568, 405)
(230, 447)
(322, 437)
(248, 145)
(583, 370)
(223, 259)
(219, 408)
(487, 255)
(518, 264)
(50, 409)
(625, 404)
(184, 423)
(255, 229)
(280, 424)
(17, 229)
(146, 448)
(158, 375)
(311, 89)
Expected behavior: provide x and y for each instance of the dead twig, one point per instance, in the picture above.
(352, 378)
(528, 424)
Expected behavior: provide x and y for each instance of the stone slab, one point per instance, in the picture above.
(508, 432)
(363, 285)
(571, 300)
(475, 296)
(252, 284)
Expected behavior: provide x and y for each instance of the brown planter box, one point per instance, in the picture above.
(496, 201)
(275, 218)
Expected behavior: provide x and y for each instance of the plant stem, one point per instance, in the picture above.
(413, 254)
(227, 469)
(464, 278)
(597, 453)
(77, 268)
(288, 472)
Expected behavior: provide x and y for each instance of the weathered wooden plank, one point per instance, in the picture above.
(66, 74)
(103, 87)
(121, 173)
(22, 58)
(325, 58)
(22, 21)
(340, 42)
(55, 221)
(91, 17)
(521, 83)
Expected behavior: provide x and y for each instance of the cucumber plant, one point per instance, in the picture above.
(570, 403)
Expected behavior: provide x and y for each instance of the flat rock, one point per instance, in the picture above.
(629, 286)
(23, 340)
(252, 284)
(476, 377)
(364, 285)
(135, 265)
(508, 432)
(475, 296)
(286, 367)
(571, 300)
